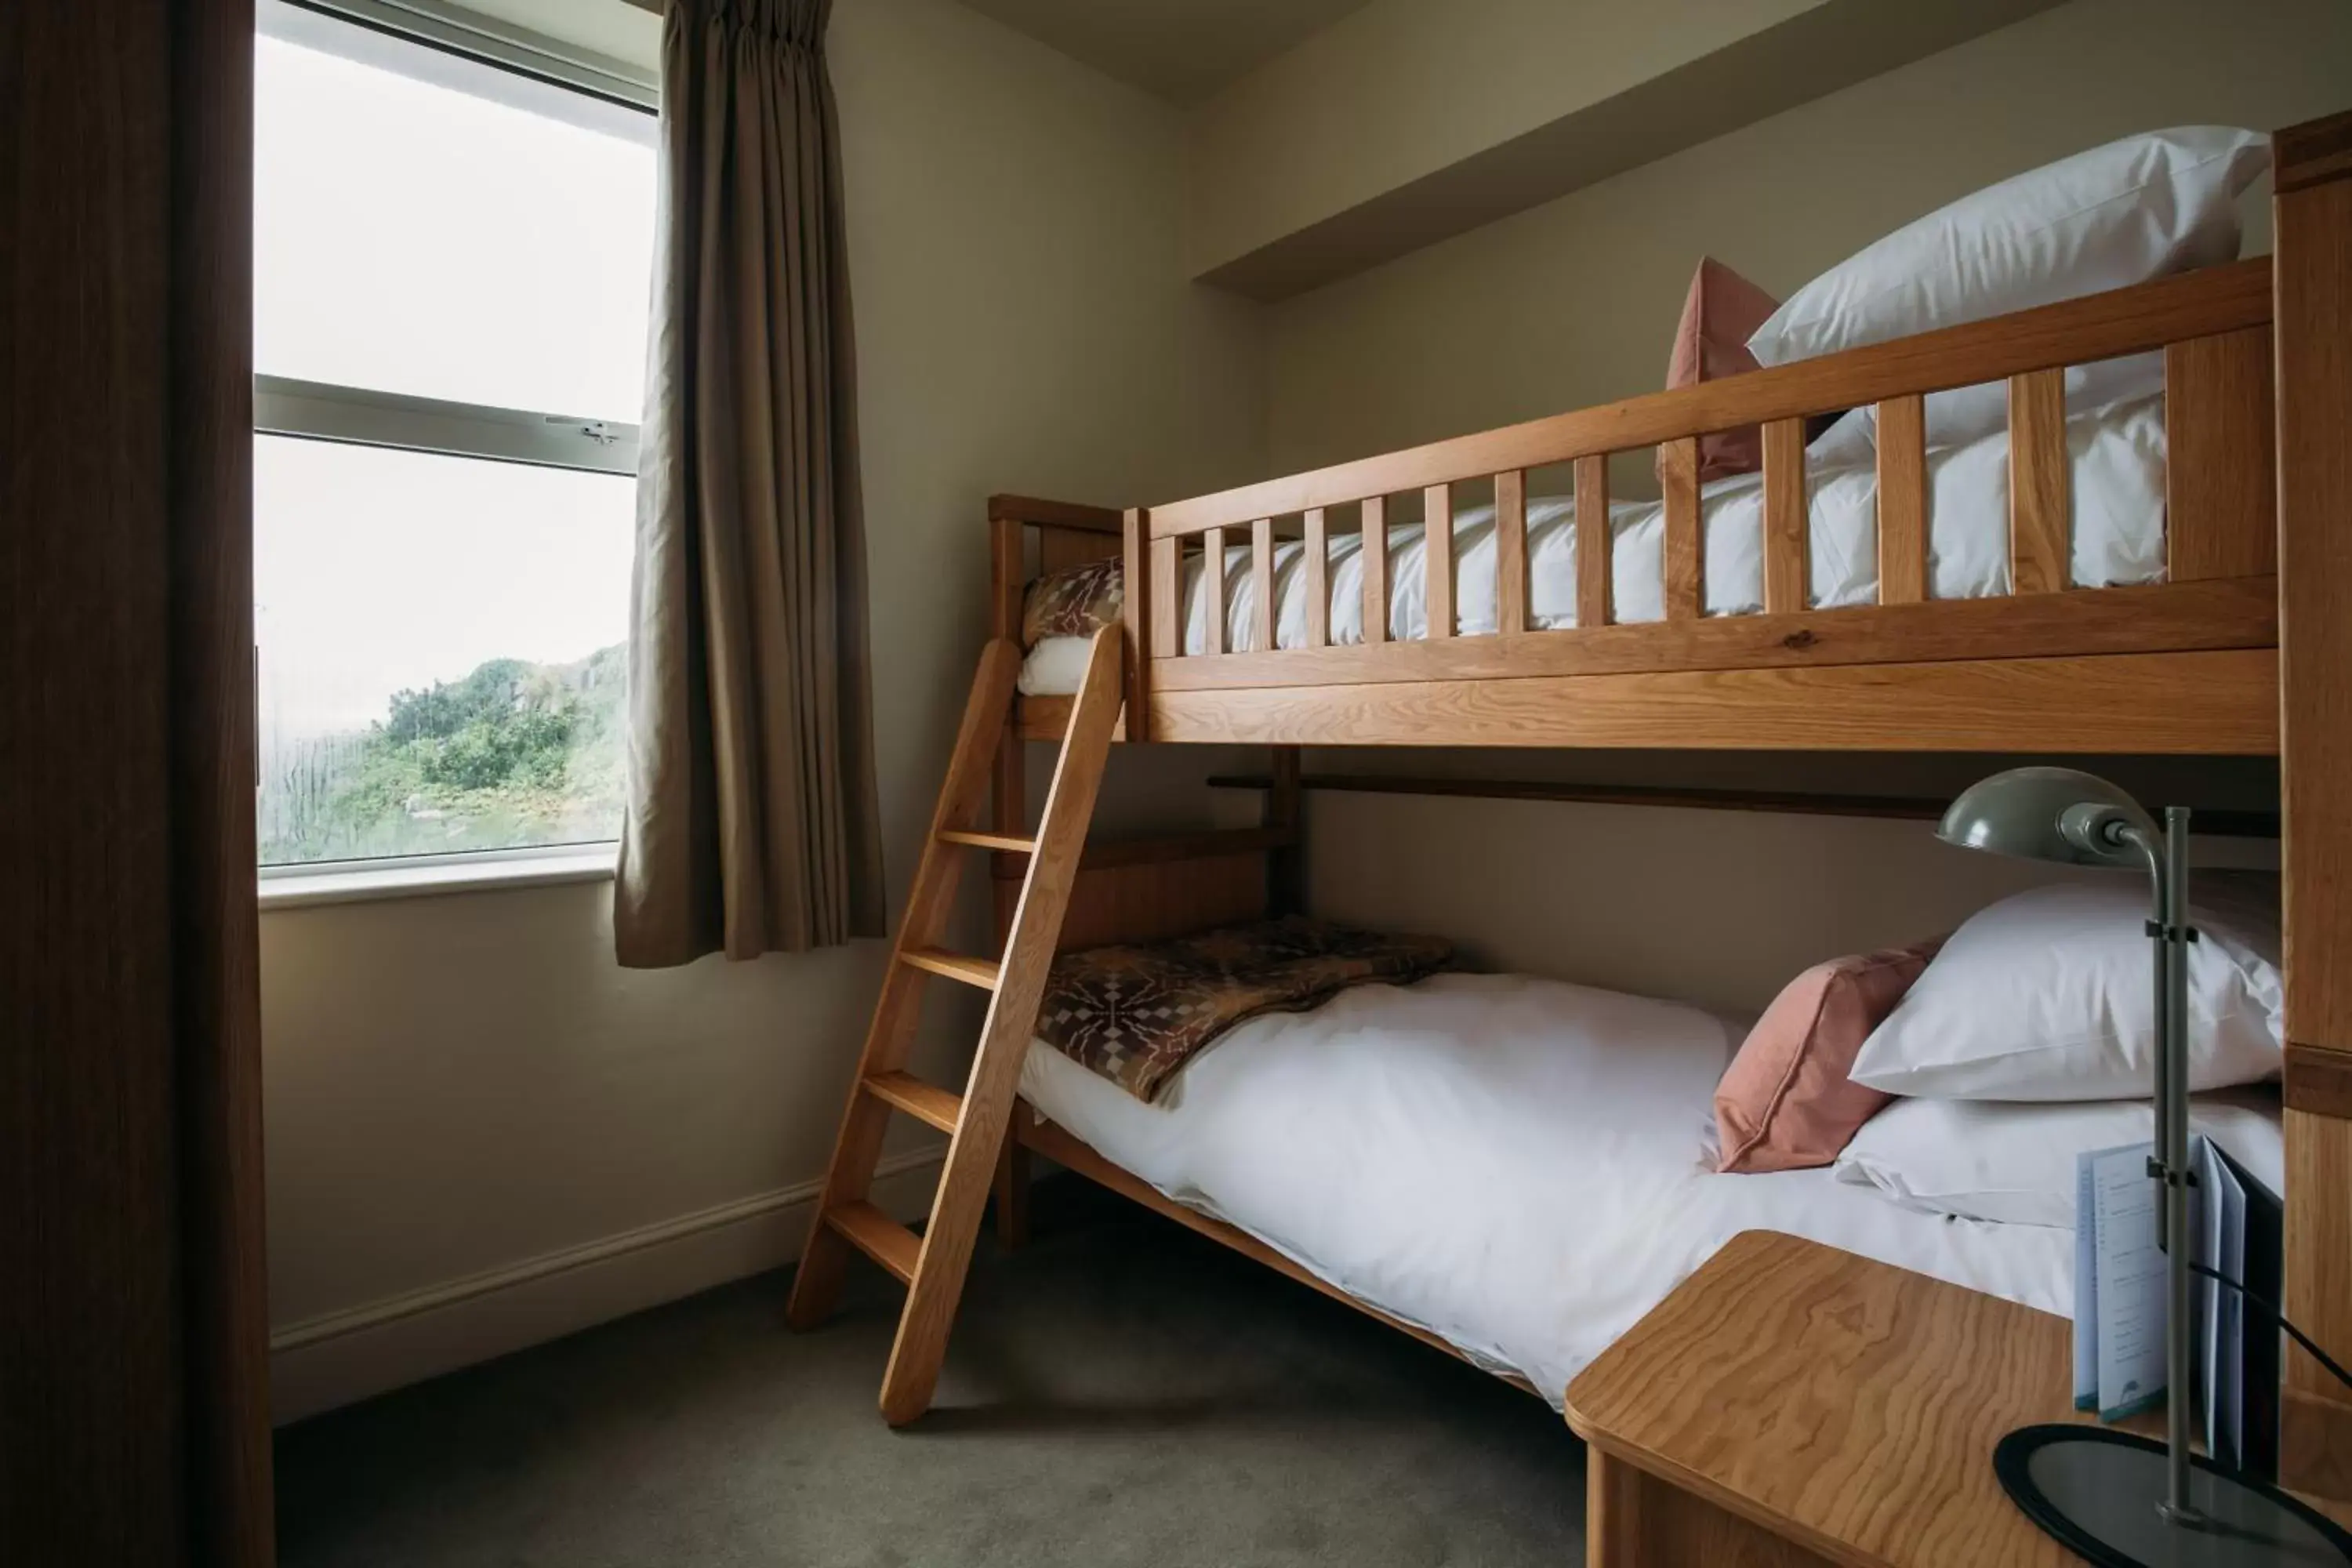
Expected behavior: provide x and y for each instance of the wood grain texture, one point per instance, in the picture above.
(2077, 332)
(2316, 1448)
(1685, 562)
(1376, 570)
(2039, 536)
(2221, 434)
(1787, 553)
(1902, 501)
(2319, 1287)
(1635, 1520)
(2314, 354)
(968, 1177)
(1137, 605)
(1154, 900)
(133, 1424)
(1213, 587)
(1595, 544)
(2161, 618)
(2313, 154)
(1262, 579)
(1846, 1407)
(1058, 548)
(2221, 703)
(1073, 1154)
(1008, 577)
(1318, 579)
(1511, 551)
(1157, 848)
(2317, 1081)
(1437, 559)
(922, 925)
(1167, 589)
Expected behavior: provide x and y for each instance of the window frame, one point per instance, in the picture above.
(285, 406)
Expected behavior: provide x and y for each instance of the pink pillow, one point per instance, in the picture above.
(1785, 1102)
(1722, 313)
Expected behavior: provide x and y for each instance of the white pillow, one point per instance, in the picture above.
(2162, 202)
(2013, 1163)
(2048, 996)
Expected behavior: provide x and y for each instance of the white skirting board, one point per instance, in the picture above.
(343, 1357)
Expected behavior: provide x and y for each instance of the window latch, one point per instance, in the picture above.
(596, 430)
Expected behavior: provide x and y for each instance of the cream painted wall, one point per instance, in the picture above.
(1403, 88)
(1574, 304)
(464, 1091)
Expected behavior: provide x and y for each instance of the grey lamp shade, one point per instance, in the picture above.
(2046, 813)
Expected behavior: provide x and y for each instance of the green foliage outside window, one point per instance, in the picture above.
(512, 754)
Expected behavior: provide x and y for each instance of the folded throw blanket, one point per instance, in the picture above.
(1137, 1015)
(1074, 602)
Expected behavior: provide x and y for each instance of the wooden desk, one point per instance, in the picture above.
(1793, 1405)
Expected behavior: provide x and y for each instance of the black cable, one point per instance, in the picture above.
(2270, 1310)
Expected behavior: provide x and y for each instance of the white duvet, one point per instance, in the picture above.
(1517, 1165)
(2117, 456)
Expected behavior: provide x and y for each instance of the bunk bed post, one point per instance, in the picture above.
(2313, 326)
(1285, 865)
(1135, 552)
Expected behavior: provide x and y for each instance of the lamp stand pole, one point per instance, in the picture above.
(2173, 934)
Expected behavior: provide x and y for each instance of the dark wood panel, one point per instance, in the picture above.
(132, 1338)
(2318, 1080)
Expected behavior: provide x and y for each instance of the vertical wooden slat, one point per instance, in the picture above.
(1138, 601)
(2220, 467)
(1511, 551)
(1008, 571)
(1213, 586)
(1319, 580)
(1685, 581)
(1785, 544)
(1167, 597)
(1262, 578)
(1596, 542)
(1437, 558)
(2037, 482)
(1376, 569)
(1903, 501)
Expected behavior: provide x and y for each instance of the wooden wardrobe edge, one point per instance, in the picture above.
(2318, 1079)
(2311, 153)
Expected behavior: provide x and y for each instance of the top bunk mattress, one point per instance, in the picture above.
(1519, 1167)
(2117, 492)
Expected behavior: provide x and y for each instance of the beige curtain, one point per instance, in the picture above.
(751, 822)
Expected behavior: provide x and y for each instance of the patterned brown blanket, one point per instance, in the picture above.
(1076, 602)
(1137, 1015)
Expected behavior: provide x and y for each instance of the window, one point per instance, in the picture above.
(451, 272)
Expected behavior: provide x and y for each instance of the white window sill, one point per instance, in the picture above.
(349, 883)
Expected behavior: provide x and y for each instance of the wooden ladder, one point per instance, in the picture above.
(932, 1265)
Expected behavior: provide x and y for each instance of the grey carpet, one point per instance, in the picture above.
(1120, 1392)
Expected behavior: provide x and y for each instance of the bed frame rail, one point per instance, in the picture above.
(2218, 602)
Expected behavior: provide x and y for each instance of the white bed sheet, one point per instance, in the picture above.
(2117, 456)
(1518, 1165)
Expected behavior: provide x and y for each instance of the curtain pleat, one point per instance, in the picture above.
(752, 822)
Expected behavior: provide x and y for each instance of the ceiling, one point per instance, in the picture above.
(1182, 50)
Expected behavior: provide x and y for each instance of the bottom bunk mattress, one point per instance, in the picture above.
(1519, 1167)
(2115, 491)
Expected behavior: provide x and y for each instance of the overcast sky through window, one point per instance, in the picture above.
(411, 237)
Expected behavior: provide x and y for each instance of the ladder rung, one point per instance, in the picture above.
(980, 972)
(1013, 842)
(924, 1101)
(879, 1237)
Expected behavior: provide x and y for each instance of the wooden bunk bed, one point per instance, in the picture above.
(2244, 648)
